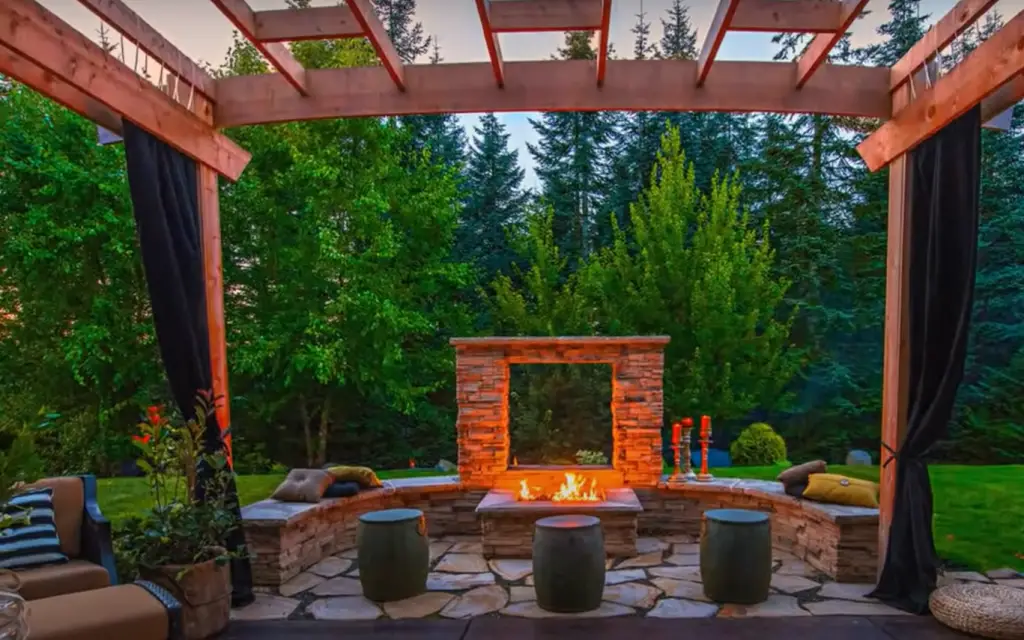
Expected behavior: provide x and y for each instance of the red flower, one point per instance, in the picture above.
(153, 414)
(142, 439)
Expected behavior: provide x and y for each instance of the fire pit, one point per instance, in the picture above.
(507, 515)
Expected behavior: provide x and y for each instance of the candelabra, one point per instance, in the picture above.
(681, 441)
(688, 474)
(705, 440)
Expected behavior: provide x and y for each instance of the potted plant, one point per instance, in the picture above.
(178, 544)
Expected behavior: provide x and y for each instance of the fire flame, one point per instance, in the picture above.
(575, 488)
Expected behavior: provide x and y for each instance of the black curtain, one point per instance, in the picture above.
(165, 197)
(945, 191)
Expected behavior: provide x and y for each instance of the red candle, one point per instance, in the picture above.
(705, 426)
(688, 422)
(677, 430)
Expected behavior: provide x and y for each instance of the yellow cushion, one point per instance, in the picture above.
(364, 476)
(836, 489)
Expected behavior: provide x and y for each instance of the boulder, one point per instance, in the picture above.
(858, 458)
(446, 466)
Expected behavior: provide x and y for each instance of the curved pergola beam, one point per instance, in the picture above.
(563, 85)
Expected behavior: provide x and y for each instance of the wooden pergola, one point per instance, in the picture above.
(40, 50)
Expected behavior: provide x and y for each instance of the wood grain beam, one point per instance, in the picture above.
(896, 340)
(995, 62)
(277, 54)
(555, 85)
(532, 16)
(604, 37)
(943, 32)
(313, 23)
(42, 81)
(378, 37)
(42, 38)
(483, 8)
(1004, 98)
(788, 16)
(716, 33)
(138, 32)
(817, 51)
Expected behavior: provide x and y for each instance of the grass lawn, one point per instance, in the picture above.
(979, 511)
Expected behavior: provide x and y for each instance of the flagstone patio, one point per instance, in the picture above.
(663, 581)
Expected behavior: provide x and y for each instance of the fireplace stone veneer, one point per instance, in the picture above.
(482, 386)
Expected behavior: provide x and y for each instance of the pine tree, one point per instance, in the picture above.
(495, 200)
(679, 41)
(399, 18)
(906, 26)
(572, 163)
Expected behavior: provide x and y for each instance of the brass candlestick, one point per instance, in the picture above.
(705, 440)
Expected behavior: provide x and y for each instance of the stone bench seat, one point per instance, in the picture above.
(288, 538)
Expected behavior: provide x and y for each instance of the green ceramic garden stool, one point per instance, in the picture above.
(394, 554)
(568, 563)
(736, 555)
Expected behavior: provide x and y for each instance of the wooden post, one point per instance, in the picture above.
(209, 213)
(896, 359)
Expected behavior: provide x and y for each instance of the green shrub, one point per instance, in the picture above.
(758, 445)
(590, 457)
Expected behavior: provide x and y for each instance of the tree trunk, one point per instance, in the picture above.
(325, 415)
(306, 430)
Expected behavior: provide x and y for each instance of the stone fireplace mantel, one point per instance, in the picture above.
(482, 387)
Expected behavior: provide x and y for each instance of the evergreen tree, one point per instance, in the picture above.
(399, 19)
(572, 163)
(679, 41)
(495, 200)
(906, 26)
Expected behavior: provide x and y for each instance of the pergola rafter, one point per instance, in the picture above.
(43, 52)
(244, 18)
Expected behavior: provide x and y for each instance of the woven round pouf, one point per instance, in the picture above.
(568, 563)
(986, 610)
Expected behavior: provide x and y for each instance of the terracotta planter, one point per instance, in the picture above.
(204, 591)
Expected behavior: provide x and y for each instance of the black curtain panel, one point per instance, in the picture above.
(165, 197)
(945, 190)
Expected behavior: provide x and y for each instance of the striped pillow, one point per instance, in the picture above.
(36, 543)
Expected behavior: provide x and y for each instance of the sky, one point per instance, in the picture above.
(201, 32)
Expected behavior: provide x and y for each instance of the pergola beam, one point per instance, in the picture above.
(817, 51)
(604, 36)
(30, 74)
(788, 16)
(378, 37)
(716, 33)
(531, 16)
(996, 62)
(40, 37)
(1004, 98)
(138, 32)
(959, 19)
(313, 23)
(483, 7)
(277, 54)
(562, 85)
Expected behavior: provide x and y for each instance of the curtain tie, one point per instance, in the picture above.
(893, 454)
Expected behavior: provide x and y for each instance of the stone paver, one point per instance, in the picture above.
(302, 582)
(353, 574)
(351, 608)
(266, 607)
(343, 586)
(468, 547)
(1017, 583)
(681, 589)
(632, 594)
(330, 567)
(850, 608)
(421, 606)
(512, 570)
(458, 581)
(650, 545)
(438, 548)
(1005, 573)
(531, 609)
(676, 573)
(684, 559)
(686, 548)
(795, 568)
(462, 563)
(672, 608)
(479, 602)
(646, 560)
(350, 554)
(776, 606)
(522, 594)
(624, 575)
(792, 584)
(965, 576)
(847, 591)
(679, 539)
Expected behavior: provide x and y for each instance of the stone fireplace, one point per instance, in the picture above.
(482, 387)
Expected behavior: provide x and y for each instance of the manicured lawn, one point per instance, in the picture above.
(979, 511)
